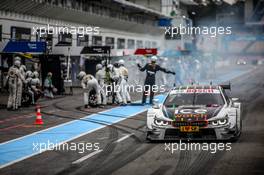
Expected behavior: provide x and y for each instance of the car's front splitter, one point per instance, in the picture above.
(169, 133)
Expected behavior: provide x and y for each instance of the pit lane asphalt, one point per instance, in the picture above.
(134, 156)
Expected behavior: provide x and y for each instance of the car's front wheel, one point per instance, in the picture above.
(148, 139)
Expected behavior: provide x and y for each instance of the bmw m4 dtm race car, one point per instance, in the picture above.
(195, 113)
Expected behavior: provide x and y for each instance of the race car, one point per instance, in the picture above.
(241, 62)
(195, 113)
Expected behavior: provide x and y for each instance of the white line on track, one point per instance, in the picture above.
(102, 138)
(87, 157)
(123, 138)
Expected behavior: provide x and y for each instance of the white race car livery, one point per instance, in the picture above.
(195, 113)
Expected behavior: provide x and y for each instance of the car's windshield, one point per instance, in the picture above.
(179, 99)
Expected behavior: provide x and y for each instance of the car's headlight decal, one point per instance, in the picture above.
(222, 121)
(161, 122)
(219, 122)
(158, 122)
(215, 123)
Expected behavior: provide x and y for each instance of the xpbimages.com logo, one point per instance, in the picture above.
(211, 31)
(133, 88)
(186, 146)
(79, 147)
(74, 30)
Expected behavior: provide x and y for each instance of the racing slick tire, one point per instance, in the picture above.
(148, 140)
(92, 98)
(238, 133)
(147, 134)
(26, 99)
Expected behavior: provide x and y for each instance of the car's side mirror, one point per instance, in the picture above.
(155, 104)
(234, 99)
(235, 102)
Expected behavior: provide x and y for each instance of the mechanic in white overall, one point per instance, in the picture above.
(123, 72)
(15, 80)
(101, 77)
(115, 76)
(89, 83)
(22, 69)
(49, 88)
(28, 77)
(111, 79)
(35, 82)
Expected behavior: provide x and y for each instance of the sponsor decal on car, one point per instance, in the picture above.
(190, 120)
(189, 128)
(193, 114)
(191, 91)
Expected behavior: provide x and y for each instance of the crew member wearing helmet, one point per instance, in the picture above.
(123, 72)
(116, 79)
(35, 82)
(49, 88)
(151, 70)
(89, 83)
(110, 81)
(28, 77)
(23, 70)
(101, 78)
(15, 81)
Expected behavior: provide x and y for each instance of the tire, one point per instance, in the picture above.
(237, 136)
(92, 99)
(36, 97)
(148, 140)
(240, 131)
(26, 99)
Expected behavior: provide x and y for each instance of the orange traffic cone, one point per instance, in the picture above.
(39, 120)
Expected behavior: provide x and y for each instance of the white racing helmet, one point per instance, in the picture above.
(29, 73)
(154, 59)
(17, 58)
(17, 63)
(99, 67)
(35, 74)
(81, 75)
(121, 62)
